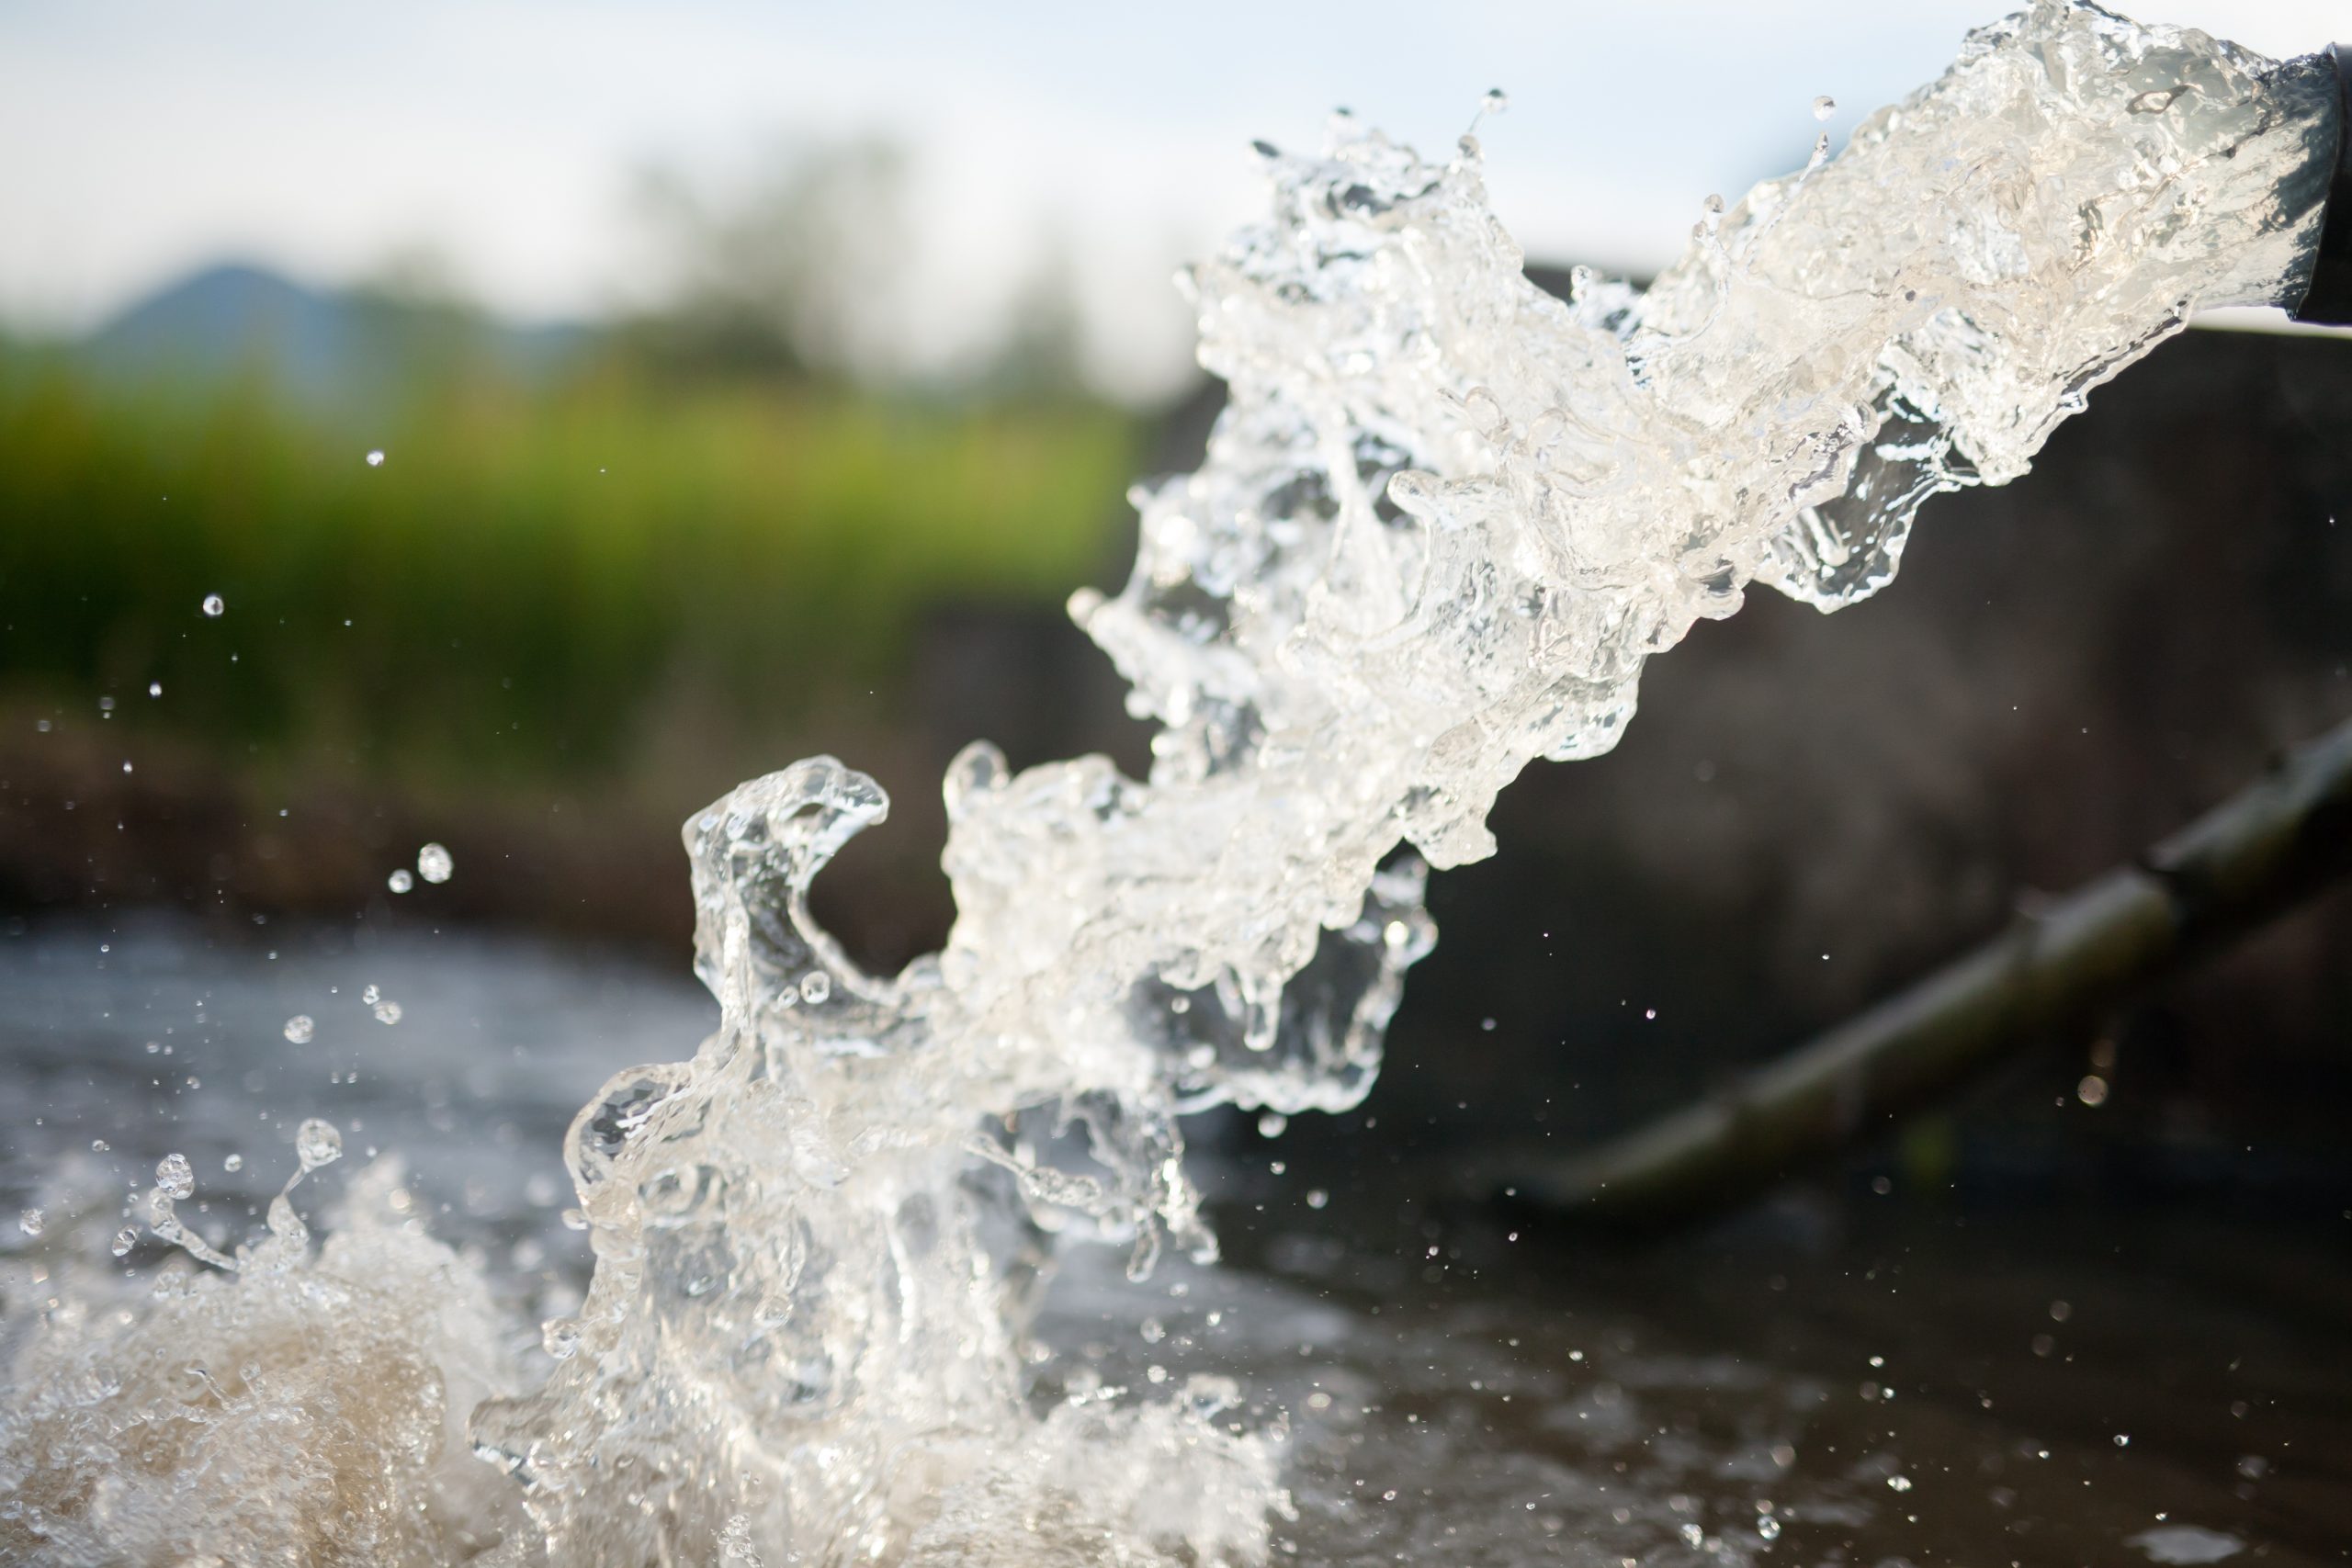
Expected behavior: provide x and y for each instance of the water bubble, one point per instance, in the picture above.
(32, 1221)
(1153, 1331)
(1823, 107)
(815, 986)
(388, 1011)
(376, 458)
(433, 863)
(176, 1177)
(399, 881)
(214, 604)
(124, 1240)
(233, 1163)
(316, 1143)
(299, 1028)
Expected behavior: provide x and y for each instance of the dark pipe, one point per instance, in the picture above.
(2329, 299)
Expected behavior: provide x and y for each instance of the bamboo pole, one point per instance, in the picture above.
(2060, 966)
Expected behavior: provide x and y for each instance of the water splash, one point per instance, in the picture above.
(1444, 522)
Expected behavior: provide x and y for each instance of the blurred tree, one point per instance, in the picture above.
(792, 277)
(1042, 354)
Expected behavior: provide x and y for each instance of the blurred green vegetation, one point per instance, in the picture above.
(536, 570)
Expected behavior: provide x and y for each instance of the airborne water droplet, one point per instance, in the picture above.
(214, 604)
(433, 863)
(299, 1028)
(815, 986)
(399, 881)
(124, 1240)
(174, 1176)
(1823, 107)
(316, 1143)
(32, 1221)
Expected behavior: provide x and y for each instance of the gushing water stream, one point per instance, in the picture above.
(1442, 523)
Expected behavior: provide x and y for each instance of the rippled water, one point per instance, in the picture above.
(1526, 1401)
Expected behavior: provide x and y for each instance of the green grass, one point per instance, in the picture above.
(532, 575)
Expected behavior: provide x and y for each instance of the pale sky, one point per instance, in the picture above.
(143, 138)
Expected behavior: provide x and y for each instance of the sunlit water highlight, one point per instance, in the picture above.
(1442, 523)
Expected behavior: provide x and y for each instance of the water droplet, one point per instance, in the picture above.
(298, 1029)
(234, 1162)
(100, 1146)
(561, 1336)
(388, 1011)
(1317, 1197)
(154, 688)
(1823, 107)
(1272, 1123)
(1768, 1528)
(1899, 1483)
(815, 986)
(1820, 152)
(1494, 102)
(32, 1221)
(399, 881)
(174, 1175)
(369, 995)
(214, 604)
(433, 863)
(124, 1240)
(2092, 1090)
(1153, 1331)
(376, 458)
(316, 1143)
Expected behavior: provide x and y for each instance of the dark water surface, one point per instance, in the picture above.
(1901, 1386)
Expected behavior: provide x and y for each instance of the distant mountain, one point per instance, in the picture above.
(336, 343)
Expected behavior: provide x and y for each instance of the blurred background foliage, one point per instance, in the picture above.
(532, 565)
(629, 560)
